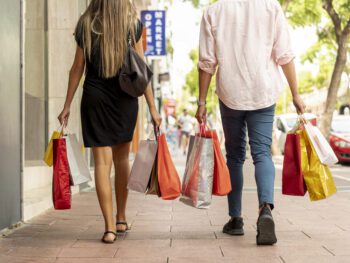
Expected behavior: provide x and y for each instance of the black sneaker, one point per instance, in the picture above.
(234, 227)
(266, 228)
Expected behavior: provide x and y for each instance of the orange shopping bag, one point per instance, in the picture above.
(222, 180)
(168, 178)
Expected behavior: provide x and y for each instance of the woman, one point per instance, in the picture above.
(108, 114)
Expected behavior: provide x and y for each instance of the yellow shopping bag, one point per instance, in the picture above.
(48, 156)
(317, 176)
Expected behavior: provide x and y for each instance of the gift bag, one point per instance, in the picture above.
(222, 179)
(78, 168)
(153, 184)
(168, 178)
(48, 156)
(142, 167)
(198, 179)
(317, 176)
(61, 193)
(323, 150)
(292, 175)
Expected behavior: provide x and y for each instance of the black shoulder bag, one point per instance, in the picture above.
(135, 74)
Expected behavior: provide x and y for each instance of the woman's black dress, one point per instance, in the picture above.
(108, 115)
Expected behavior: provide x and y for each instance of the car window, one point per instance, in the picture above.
(291, 122)
(341, 126)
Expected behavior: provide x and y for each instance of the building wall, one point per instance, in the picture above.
(10, 113)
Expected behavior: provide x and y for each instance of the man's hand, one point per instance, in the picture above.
(201, 114)
(299, 104)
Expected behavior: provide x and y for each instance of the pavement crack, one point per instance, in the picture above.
(305, 234)
(222, 252)
(325, 248)
(343, 229)
(282, 259)
(216, 236)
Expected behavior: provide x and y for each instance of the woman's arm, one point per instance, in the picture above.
(75, 75)
(149, 93)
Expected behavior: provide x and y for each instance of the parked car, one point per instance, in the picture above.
(285, 122)
(340, 138)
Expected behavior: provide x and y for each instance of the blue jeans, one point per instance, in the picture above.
(259, 124)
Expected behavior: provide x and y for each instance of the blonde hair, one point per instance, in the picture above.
(112, 21)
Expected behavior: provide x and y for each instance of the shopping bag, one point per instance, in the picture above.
(222, 179)
(292, 175)
(190, 147)
(142, 167)
(61, 193)
(168, 178)
(198, 179)
(153, 184)
(78, 168)
(317, 176)
(48, 156)
(324, 151)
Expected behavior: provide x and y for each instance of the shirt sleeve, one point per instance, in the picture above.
(78, 33)
(282, 51)
(207, 55)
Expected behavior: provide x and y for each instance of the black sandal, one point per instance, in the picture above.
(109, 241)
(125, 224)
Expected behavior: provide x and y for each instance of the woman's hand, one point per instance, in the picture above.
(64, 116)
(201, 114)
(299, 104)
(157, 120)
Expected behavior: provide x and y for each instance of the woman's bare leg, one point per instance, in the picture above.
(103, 165)
(122, 172)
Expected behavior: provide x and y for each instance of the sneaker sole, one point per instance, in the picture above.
(235, 232)
(266, 231)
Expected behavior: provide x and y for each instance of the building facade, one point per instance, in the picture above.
(37, 51)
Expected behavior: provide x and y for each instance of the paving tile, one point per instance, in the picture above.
(101, 252)
(85, 260)
(193, 235)
(295, 258)
(196, 252)
(196, 228)
(142, 252)
(52, 242)
(136, 222)
(241, 259)
(35, 252)
(147, 235)
(338, 247)
(16, 259)
(151, 228)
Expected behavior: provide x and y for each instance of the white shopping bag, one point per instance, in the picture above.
(79, 170)
(320, 144)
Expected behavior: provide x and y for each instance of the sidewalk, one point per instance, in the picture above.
(169, 231)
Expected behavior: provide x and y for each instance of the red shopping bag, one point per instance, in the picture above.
(292, 176)
(61, 194)
(222, 179)
(168, 178)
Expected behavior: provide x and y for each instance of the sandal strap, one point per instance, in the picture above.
(122, 223)
(110, 232)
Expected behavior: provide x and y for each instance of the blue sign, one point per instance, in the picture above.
(154, 22)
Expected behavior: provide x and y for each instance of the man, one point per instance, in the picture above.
(247, 40)
(186, 127)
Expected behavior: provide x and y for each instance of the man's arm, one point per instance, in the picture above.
(289, 73)
(204, 82)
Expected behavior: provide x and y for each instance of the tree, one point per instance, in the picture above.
(332, 21)
(341, 31)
